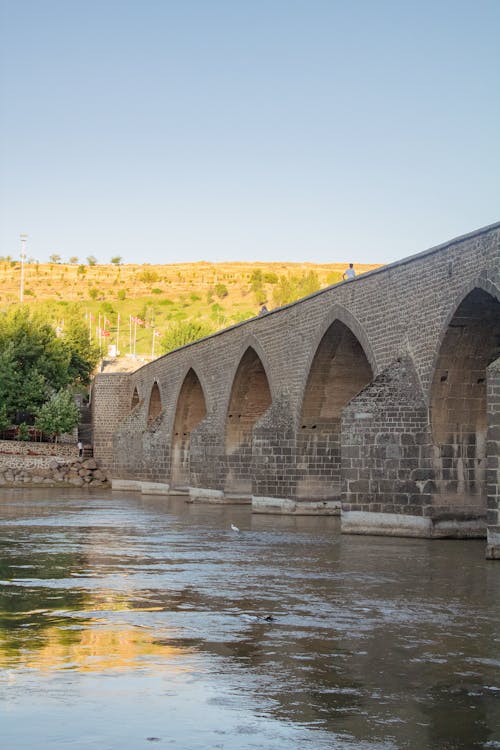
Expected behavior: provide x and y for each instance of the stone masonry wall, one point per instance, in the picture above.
(386, 446)
(28, 448)
(110, 404)
(493, 461)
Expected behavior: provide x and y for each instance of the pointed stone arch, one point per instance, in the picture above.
(155, 405)
(469, 342)
(250, 398)
(190, 410)
(339, 370)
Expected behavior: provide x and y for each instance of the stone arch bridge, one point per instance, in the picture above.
(377, 398)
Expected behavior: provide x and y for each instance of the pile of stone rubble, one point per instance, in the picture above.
(79, 473)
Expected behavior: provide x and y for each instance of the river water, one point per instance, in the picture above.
(133, 622)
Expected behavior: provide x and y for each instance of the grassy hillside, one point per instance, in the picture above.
(213, 294)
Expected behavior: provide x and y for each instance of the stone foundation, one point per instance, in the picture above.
(280, 505)
(401, 524)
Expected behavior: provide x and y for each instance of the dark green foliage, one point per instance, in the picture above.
(35, 362)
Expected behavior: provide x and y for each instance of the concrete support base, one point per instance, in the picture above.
(280, 505)
(145, 488)
(217, 497)
(398, 524)
(126, 485)
(493, 543)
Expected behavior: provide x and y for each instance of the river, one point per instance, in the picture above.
(130, 622)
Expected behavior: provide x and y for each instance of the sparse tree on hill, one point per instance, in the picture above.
(55, 258)
(91, 260)
(117, 260)
(73, 260)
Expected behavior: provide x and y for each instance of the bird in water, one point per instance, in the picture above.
(234, 528)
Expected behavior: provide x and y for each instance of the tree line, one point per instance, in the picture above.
(40, 370)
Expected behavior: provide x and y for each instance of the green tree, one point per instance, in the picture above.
(4, 419)
(58, 415)
(91, 260)
(84, 355)
(117, 260)
(182, 333)
(35, 362)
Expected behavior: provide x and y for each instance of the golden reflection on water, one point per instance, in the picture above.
(89, 644)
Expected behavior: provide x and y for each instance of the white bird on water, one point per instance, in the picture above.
(234, 528)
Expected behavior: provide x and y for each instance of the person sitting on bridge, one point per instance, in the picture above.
(263, 310)
(349, 273)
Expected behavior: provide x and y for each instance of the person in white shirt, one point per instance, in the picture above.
(349, 273)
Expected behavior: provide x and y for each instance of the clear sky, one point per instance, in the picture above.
(299, 130)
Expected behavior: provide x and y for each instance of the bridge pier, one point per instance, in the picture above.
(493, 461)
(387, 475)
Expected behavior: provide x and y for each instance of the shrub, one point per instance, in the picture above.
(148, 277)
(182, 333)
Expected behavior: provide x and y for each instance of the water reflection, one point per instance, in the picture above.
(376, 643)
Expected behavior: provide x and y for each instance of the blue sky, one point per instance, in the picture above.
(299, 130)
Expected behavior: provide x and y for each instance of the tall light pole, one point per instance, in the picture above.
(23, 237)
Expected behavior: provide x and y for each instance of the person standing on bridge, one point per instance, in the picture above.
(349, 273)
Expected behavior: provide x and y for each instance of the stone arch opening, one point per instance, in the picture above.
(154, 409)
(339, 371)
(191, 409)
(250, 398)
(135, 399)
(458, 403)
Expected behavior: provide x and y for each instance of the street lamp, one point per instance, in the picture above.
(23, 237)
